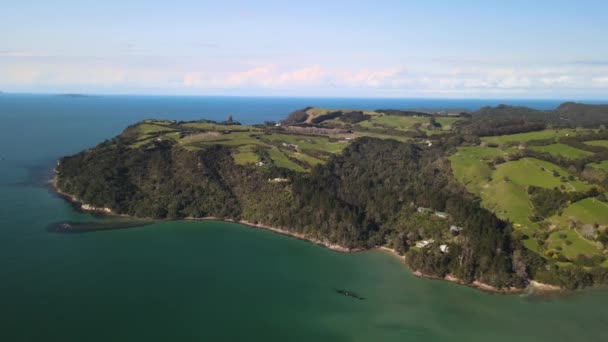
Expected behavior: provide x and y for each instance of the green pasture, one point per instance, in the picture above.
(562, 150)
(525, 137)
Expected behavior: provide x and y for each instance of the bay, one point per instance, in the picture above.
(193, 281)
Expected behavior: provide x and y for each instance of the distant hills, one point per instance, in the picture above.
(568, 114)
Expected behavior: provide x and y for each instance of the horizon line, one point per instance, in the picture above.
(93, 94)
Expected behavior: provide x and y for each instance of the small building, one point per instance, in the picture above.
(259, 163)
(278, 180)
(278, 124)
(444, 248)
(455, 229)
(424, 243)
(424, 210)
(442, 214)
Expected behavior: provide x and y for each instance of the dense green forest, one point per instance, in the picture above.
(354, 178)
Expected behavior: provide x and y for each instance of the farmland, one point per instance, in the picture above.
(525, 137)
(562, 150)
(504, 189)
(294, 150)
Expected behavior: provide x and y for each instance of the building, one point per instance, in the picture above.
(441, 214)
(444, 248)
(455, 230)
(424, 243)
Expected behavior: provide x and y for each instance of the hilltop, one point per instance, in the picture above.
(568, 114)
(479, 198)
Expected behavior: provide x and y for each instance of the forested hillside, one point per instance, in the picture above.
(364, 179)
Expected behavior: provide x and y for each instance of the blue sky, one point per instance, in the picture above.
(448, 49)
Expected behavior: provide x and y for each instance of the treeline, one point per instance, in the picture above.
(548, 202)
(568, 114)
(328, 116)
(354, 117)
(489, 126)
(398, 112)
(296, 117)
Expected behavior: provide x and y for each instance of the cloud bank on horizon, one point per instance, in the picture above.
(549, 49)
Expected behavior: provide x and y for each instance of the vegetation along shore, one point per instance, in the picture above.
(501, 199)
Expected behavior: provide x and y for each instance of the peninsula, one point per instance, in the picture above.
(498, 198)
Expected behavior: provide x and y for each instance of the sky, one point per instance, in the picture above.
(424, 49)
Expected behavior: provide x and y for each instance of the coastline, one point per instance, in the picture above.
(533, 287)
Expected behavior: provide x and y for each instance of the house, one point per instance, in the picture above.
(278, 124)
(455, 229)
(424, 243)
(441, 214)
(444, 248)
(428, 143)
(278, 180)
(424, 210)
(259, 163)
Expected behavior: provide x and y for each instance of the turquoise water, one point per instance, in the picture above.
(212, 281)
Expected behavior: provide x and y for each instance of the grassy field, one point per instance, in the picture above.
(525, 137)
(308, 142)
(602, 143)
(231, 139)
(528, 171)
(281, 160)
(578, 244)
(381, 136)
(562, 150)
(588, 210)
(603, 165)
(402, 123)
(504, 190)
(206, 126)
(147, 128)
(304, 157)
(244, 155)
(470, 167)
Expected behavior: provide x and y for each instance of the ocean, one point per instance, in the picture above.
(215, 281)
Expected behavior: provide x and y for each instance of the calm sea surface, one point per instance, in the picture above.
(210, 281)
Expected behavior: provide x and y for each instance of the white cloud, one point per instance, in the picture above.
(192, 75)
(600, 81)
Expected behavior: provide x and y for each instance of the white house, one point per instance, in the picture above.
(424, 243)
(455, 229)
(441, 214)
(444, 248)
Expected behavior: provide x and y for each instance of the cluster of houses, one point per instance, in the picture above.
(443, 248)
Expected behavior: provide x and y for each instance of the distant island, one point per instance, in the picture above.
(502, 198)
(73, 95)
